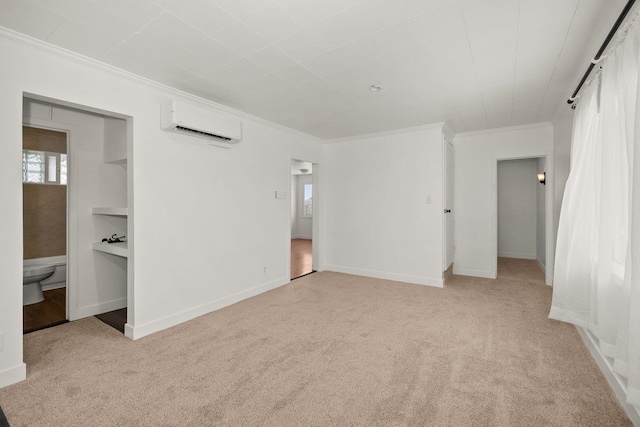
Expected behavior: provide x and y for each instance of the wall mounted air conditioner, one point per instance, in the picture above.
(219, 130)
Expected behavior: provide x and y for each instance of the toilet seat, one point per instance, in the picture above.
(35, 270)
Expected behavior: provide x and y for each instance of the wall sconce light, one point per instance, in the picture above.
(542, 177)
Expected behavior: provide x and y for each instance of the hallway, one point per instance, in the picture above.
(301, 257)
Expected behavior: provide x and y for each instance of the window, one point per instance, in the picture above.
(307, 201)
(44, 167)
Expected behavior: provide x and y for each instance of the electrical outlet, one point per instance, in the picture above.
(1, 341)
(264, 269)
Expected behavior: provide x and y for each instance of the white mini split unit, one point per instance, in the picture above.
(188, 119)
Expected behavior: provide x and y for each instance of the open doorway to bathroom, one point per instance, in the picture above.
(44, 195)
(301, 218)
(98, 233)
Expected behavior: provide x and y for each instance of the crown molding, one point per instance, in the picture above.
(69, 55)
(504, 129)
(439, 125)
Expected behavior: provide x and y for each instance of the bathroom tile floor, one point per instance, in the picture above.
(50, 312)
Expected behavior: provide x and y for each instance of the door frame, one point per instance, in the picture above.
(70, 131)
(316, 219)
(73, 197)
(450, 205)
(550, 243)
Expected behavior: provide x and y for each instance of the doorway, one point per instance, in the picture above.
(521, 218)
(97, 203)
(448, 222)
(44, 214)
(302, 223)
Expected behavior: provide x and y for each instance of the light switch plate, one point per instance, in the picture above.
(428, 200)
(281, 194)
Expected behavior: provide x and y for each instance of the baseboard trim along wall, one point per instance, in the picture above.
(92, 310)
(541, 264)
(605, 366)
(184, 316)
(54, 286)
(13, 375)
(438, 283)
(301, 237)
(474, 273)
(516, 255)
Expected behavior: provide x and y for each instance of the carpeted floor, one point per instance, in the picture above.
(328, 349)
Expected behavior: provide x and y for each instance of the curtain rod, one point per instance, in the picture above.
(596, 59)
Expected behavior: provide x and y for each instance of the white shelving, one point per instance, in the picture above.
(118, 249)
(111, 211)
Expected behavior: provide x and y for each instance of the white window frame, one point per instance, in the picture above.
(48, 156)
(304, 215)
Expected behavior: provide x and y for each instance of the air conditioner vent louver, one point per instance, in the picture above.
(198, 132)
(187, 119)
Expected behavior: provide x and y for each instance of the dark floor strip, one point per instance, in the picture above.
(116, 319)
(305, 274)
(45, 326)
(3, 419)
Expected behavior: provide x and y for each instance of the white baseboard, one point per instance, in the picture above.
(136, 332)
(541, 264)
(474, 273)
(13, 375)
(517, 255)
(128, 331)
(92, 310)
(427, 281)
(612, 378)
(301, 236)
(54, 286)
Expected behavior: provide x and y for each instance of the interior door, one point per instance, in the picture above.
(448, 204)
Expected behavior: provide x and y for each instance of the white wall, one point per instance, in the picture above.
(377, 220)
(541, 205)
(293, 197)
(517, 194)
(304, 225)
(477, 154)
(97, 281)
(206, 219)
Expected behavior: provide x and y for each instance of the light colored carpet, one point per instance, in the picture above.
(328, 349)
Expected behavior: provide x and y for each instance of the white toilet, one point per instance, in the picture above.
(32, 275)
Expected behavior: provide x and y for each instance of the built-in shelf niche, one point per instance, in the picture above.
(120, 212)
(120, 248)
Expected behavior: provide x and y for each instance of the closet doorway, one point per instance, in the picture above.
(521, 218)
(302, 189)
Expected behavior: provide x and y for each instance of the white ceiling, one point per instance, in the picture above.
(308, 64)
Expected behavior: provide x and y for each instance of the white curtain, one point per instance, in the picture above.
(597, 268)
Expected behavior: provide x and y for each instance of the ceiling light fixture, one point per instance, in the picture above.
(542, 178)
(375, 88)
